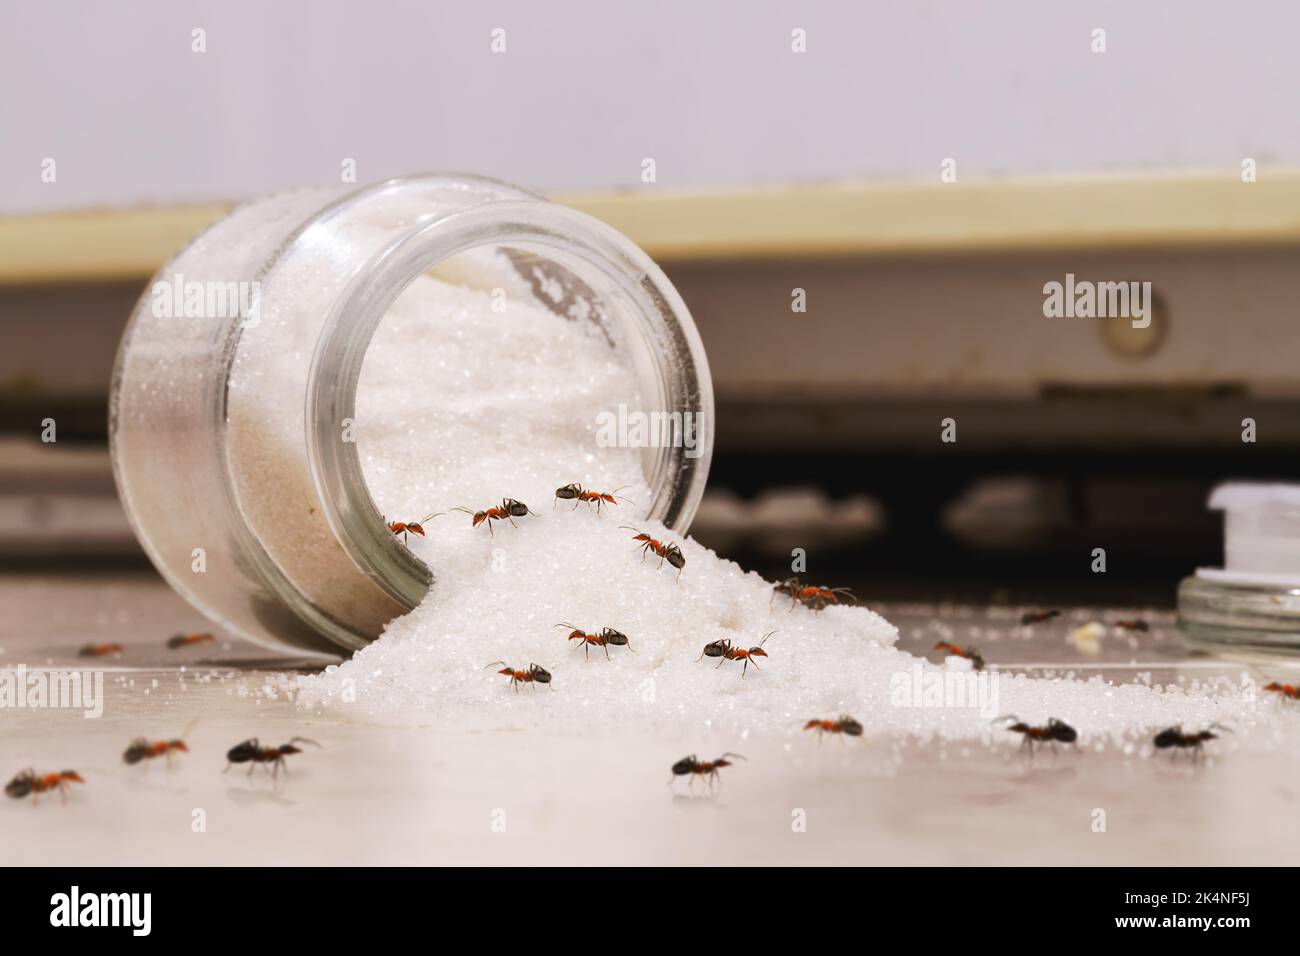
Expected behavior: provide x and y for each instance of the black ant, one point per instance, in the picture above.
(1174, 737)
(1038, 617)
(844, 725)
(971, 654)
(577, 494)
(508, 510)
(1053, 732)
(253, 753)
(667, 551)
(729, 652)
(533, 675)
(789, 587)
(694, 767)
(603, 638)
(408, 528)
(30, 782)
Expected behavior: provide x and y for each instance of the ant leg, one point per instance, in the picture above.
(721, 662)
(606, 647)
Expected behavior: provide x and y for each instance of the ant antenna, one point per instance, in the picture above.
(437, 514)
(737, 756)
(1004, 717)
(494, 664)
(303, 740)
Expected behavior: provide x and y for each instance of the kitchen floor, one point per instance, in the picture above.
(375, 793)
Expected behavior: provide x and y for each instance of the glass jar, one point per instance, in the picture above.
(262, 520)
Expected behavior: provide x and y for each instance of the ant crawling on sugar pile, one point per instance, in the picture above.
(693, 767)
(533, 675)
(99, 650)
(143, 749)
(604, 638)
(666, 550)
(408, 528)
(508, 510)
(177, 641)
(729, 652)
(816, 598)
(1038, 617)
(1053, 732)
(252, 753)
(577, 494)
(843, 725)
(30, 782)
(1133, 624)
(971, 654)
(1286, 690)
(1173, 737)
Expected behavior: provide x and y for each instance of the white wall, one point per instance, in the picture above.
(710, 90)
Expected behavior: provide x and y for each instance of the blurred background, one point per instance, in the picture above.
(919, 170)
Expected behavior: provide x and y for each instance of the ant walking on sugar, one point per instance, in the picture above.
(252, 753)
(667, 551)
(508, 510)
(810, 596)
(1053, 732)
(30, 782)
(692, 767)
(1286, 690)
(727, 651)
(533, 675)
(408, 528)
(603, 639)
(971, 654)
(843, 725)
(577, 494)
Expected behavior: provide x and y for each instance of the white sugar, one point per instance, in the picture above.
(462, 405)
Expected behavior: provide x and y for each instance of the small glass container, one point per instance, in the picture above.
(207, 476)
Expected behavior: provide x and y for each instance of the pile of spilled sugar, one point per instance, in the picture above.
(503, 405)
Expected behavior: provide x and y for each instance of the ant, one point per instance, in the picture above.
(508, 510)
(188, 640)
(1134, 624)
(30, 782)
(789, 587)
(1038, 617)
(604, 638)
(1053, 732)
(666, 550)
(253, 753)
(408, 528)
(1286, 690)
(819, 598)
(99, 650)
(144, 749)
(844, 725)
(1174, 737)
(695, 767)
(534, 675)
(970, 653)
(577, 494)
(729, 652)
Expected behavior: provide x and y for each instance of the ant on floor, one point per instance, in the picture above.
(692, 767)
(30, 782)
(1173, 738)
(1053, 732)
(252, 753)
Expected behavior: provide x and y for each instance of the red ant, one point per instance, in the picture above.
(604, 638)
(30, 782)
(817, 598)
(729, 652)
(666, 550)
(844, 725)
(577, 494)
(789, 587)
(1134, 624)
(1038, 617)
(695, 767)
(253, 753)
(1174, 737)
(189, 640)
(99, 650)
(144, 749)
(1286, 690)
(508, 510)
(1054, 731)
(534, 675)
(408, 528)
(972, 655)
